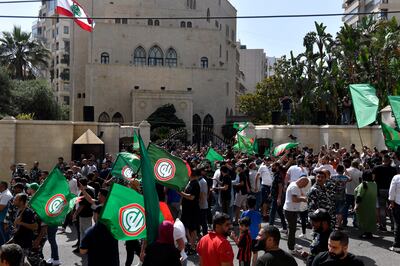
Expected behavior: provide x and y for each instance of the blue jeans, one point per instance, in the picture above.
(51, 236)
(288, 114)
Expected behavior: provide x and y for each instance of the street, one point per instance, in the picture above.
(372, 252)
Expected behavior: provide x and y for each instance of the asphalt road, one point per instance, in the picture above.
(372, 252)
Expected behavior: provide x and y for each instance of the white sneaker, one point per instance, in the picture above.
(302, 236)
(394, 249)
(298, 247)
(56, 262)
(49, 261)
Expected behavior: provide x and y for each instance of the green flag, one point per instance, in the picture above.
(124, 213)
(395, 104)
(392, 137)
(244, 144)
(150, 194)
(135, 145)
(239, 126)
(213, 156)
(255, 146)
(53, 200)
(170, 171)
(280, 149)
(365, 103)
(126, 165)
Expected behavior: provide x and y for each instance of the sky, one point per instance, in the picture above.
(276, 36)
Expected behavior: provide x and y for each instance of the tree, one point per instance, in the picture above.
(22, 55)
(5, 93)
(37, 98)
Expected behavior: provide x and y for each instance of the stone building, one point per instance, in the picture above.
(135, 61)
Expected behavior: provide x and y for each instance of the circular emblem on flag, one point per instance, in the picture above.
(132, 219)
(127, 172)
(164, 169)
(55, 205)
(76, 10)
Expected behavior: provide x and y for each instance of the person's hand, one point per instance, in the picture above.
(74, 216)
(391, 205)
(356, 207)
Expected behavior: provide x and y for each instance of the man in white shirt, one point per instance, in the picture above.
(180, 240)
(296, 171)
(264, 172)
(324, 164)
(203, 202)
(293, 199)
(355, 175)
(394, 198)
(5, 197)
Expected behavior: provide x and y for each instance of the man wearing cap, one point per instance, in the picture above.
(5, 197)
(320, 220)
(321, 195)
(32, 188)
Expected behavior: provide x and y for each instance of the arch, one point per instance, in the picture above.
(226, 112)
(156, 56)
(208, 15)
(156, 22)
(104, 118)
(208, 129)
(183, 24)
(118, 118)
(171, 59)
(231, 112)
(150, 22)
(139, 56)
(189, 24)
(204, 62)
(196, 128)
(105, 58)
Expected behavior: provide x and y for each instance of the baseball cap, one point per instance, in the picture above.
(320, 215)
(34, 186)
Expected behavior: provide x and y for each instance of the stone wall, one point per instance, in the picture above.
(45, 141)
(315, 136)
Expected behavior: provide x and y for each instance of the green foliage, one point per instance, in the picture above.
(35, 96)
(165, 116)
(228, 131)
(5, 92)
(22, 55)
(318, 78)
(25, 116)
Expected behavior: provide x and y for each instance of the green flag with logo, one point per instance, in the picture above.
(126, 165)
(392, 137)
(239, 126)
(365, 103)
(53, 200)
(135, 145)
(244, 144)
(124, 214)
(169, 171)
(395, 104)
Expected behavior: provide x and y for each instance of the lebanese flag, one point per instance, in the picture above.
(71, 8)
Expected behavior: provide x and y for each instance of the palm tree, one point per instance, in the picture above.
(22, 55)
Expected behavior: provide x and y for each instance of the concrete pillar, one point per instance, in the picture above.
(144, 128)
(8, 145)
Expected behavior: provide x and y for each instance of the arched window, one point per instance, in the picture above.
(156, 22)
(156, 56)
(204, 62)
(189, 24)
(117, 118)
(183, 24)
(104, 58)
(208, 129)
(171, 58)
(150, 22)
(104, 118)
(196, 128)
(139, 56)
(208, 15)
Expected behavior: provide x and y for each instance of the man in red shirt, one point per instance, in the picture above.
(214, 249)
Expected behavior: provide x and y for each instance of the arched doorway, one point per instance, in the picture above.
(118, 118)
(196, 128)
(208, 129)
(104, 118)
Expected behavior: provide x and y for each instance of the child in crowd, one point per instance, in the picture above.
(244, 242)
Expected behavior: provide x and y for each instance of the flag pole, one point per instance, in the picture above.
(359, 133)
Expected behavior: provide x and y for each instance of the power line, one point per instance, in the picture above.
(23, 1)
(205, 17)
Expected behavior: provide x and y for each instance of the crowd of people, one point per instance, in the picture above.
(231, 202)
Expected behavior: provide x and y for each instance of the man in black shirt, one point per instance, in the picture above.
(191, 208)
(225, 188)
(277, 196)
(273, 256)
(337, 254)
(100, 245)
(286, 103)
(383, 175)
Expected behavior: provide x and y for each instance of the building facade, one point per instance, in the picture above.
(127, 68)
(380, 8)
(252, 65)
